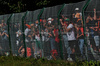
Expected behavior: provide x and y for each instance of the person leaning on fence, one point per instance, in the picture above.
(38, 44)
(80, 37)
(0, 37)
(88, 39)
(71, 38)
(78, 24)
(99, 31)
(21, 49)
(33, 40)
(5, 40)
(65, 38)
(93, 28)
(52, 42)
(27, 29)
(29, 44)
(90, 24)
(96, 32)
(57, 39)
(49, 25)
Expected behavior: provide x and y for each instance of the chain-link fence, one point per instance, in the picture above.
(92, 24)
(4, 36)
(32, 40)
(50, 32)
(56, 32)
(72, 31)
(16, 34)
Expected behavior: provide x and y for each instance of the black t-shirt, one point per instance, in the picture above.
(43, 27)
(49, 25)
(90, 23)
(29, 33)
(93, 23)
(53, 22)
(74, 20)
(79, 22)
(96, 31)
(33, 37)
(51, 32)
(80, 32)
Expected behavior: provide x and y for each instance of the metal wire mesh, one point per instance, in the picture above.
(4, 41)
(33, 46)
(50, 32)
(92, 21)
(71, 22)
(16, 37)
(43, 35)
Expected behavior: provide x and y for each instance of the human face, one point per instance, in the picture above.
(44, 20)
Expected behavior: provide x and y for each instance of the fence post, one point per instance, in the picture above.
(8, 20)
(40, 30)
(84, 25)
(23, 28)
(58, 15)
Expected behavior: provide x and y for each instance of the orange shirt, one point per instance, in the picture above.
(28, 52)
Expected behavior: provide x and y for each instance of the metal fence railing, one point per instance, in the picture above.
(68, 31)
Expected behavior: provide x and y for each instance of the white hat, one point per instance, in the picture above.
(49, 19)
(76, 8)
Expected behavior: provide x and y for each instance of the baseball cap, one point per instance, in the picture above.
(67, 19)
(49, 19)
(76, 8)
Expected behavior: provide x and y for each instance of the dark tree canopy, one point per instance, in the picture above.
(13, 6)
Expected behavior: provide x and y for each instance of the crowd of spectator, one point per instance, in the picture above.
(47, 32)
(45, 37)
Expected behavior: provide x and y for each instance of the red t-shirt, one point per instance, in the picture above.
(57, 36)
(28, 52)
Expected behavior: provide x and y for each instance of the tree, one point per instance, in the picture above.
(10, 6)
(41, 3)
(13, 6)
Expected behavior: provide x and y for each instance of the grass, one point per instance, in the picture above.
(18, 61)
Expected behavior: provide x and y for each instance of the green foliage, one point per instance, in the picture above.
(41, 3)
(16, 7)
(19, 61)
(20, 5)
(13, 6)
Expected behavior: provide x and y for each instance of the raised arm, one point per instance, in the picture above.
(70, 26)
(94, 14)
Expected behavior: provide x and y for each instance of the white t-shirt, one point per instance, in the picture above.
(70, 34)
(26, 31)
(19, 31)
(37, 37)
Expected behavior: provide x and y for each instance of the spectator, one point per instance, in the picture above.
(5, 40)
